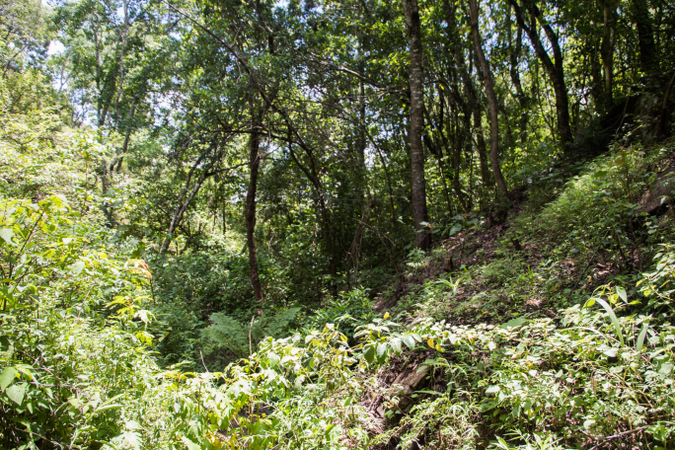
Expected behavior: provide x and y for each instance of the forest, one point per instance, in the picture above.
(322, 224)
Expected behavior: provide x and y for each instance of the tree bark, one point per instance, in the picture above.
(481, 149)
(416, 79)
(186, 197)
(554, 68)
(254, 166)
(643, 20)
(514, 54)
(491, 97)
(607, 48)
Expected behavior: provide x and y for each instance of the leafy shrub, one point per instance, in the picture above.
(501, 270)
(73, 339)
(239, 339)
(659, 285)
(595, 209)
(206, 282)
(348, 311)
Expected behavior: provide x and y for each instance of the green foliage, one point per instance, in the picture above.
(239, 339)
(349, 310)
(73, 339)
(503, 269)
(206, 281)
(659, 285)
(81, 314)
(596, 209)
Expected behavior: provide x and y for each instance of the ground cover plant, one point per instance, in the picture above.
(337, 224)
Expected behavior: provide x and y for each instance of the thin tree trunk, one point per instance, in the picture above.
(324, 213)
(105, 186)
(554, 68)
(437, 149)
(607, 47)
(416, 79)
(491, 97)
(184, 201)
(481, 149)
(116, 165)
(514, 54)
(254, 166)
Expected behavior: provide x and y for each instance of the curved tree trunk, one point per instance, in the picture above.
(491, 97)
(554, 68)
(416, 79)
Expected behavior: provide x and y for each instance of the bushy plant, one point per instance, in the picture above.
(595, 210)
(349, 310)
(206, 282)
(239, 339)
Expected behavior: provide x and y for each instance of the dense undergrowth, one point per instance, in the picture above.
(521, 342)
(551, 330)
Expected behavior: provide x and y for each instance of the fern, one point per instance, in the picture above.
(229, 334)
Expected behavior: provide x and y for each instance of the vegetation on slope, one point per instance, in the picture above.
(207, 238)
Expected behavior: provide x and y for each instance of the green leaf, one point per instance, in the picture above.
(514, 323)
(641, 338)
(16, 392)
(77, 267)
(7, 377)
(455, 229)
(612, 317)
(409, 341)
(189, 444)
(493, 389)
(369, 353)
(6, 234)
(381, 351)
(396, 345)
(622, 293)
(666, 368)
(611, 352)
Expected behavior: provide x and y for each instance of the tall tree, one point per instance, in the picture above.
(639, 10)
(607, 48)
(250, 212)
(554, 68)
(416, 82)
(491, 97)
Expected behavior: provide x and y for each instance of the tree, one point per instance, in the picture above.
(639, 10)
(492, 98)
(554, 68)
(416, 80)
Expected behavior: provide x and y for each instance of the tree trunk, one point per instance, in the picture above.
(254, 165)
(416, 79)
(491, 97)
(514, 54)
(643, 20)
(607, 48)
(313, 176)
(554, 68)
(481, 149)
(186, 198)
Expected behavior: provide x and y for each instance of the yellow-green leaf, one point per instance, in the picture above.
(7, 377)
(6, 234)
